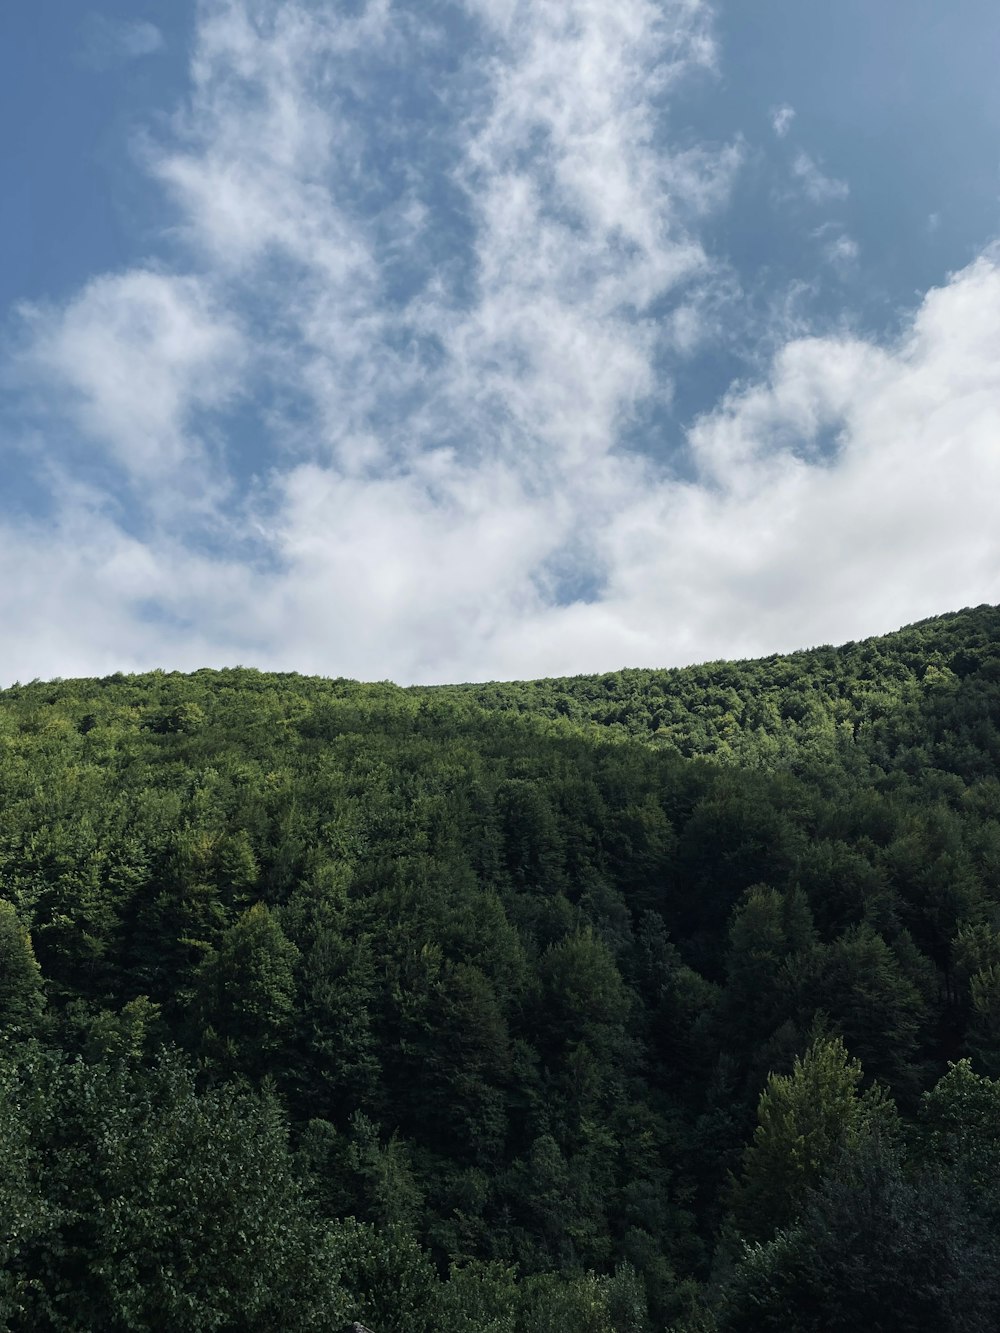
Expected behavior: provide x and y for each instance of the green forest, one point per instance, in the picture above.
(658, 1000)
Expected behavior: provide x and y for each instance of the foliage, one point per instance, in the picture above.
(137, 1202)
(874, 1247)
(804, 1122)
(21, 998)
(455, 1007)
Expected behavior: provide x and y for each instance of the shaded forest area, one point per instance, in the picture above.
(656, 1000)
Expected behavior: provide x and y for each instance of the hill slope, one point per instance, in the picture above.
(500, 972)
(765, 710)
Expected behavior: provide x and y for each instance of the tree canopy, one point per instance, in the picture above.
(563, 1004)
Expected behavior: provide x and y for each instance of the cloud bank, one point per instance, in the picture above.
(394, 398)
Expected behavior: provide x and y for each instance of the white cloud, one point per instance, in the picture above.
(843, 249)
(260, 142)
(851, 492)
(783, 542)
(454, 466)
(130, 360)
(814, 183)
(584, 219)
(76, 589)
(840, 250)
(781, 119)
(108, 42)
(266, 168)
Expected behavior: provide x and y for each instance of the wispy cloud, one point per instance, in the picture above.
(795, 543)
(109, 42)
(840, 250)
(843, 249)
(814, 183)
(781, 119)
(851, 491)
(583, 220)
(130, 361)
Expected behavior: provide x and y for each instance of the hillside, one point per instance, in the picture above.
(457, 1007)
(768, 710)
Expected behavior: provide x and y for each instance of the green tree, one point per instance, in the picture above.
(21, 998)
(804, 1119)
(768, 932)
(392, 1281)
(585, 999)
(553, 1303)
(244, 994)
(976, 955)
(146, 1204)
(479, 1298)
(959, 1124)
(874, 1247)
(858, 981)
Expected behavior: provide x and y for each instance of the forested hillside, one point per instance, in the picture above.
(770, 710)
(665, 999)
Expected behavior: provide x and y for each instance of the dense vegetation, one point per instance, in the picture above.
(634, 1002)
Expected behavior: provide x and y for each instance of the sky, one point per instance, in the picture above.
(441, 340)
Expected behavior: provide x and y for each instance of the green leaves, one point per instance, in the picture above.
(518, 970)
(804, 1120)
(876, 1245)
(21, 998)
(244, 994)
(138, 1202)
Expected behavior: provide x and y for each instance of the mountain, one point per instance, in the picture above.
(593, 1004)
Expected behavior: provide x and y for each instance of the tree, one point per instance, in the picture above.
(874, 1247)
(244, 993)
(142, 1203)
(392, 1281)
(767, 932)
(976, 954)
(859, 983)
(804, 1119)
(21, 999)
(959, 1124)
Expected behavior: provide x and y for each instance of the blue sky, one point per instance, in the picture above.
(486, 338)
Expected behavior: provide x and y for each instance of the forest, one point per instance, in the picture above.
(658, 1000)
